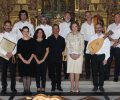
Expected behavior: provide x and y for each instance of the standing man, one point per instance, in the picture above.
(56, 44)
(64, 30)
(87, 29)
(8, 34)
(99, 59)
(115, 47)
(47, 28)
(23, 16)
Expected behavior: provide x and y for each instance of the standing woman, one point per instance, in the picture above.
(75, 47)
(25, 48)
(41, 53)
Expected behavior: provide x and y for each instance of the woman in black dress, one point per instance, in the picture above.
(41, 53)
(25, 48)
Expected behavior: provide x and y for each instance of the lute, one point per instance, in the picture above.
(95, 45)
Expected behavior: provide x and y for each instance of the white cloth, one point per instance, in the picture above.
(46, 28)
(105, 49)
(116, 32)
(64, 29)
(19, 25)
(87, 30)
(74, 45)
(10, 36)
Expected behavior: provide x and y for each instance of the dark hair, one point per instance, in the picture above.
(67, 12)
(25, 27)
(36, 33)
(99, 24)
(55, 25)
(74, 22)
(23, 11)
(43, 16)
(117, 13)
(87, 12)
(7, 21)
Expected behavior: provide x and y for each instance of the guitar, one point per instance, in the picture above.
(95, 45)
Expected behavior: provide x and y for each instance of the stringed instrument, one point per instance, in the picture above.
(95, 45)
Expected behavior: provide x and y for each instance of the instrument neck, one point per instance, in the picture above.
(105, 36)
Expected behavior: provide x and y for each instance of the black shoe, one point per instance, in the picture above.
(43, 91)
(115, 80)
(29, 93)
(66, 76)
(101, 89)
(59, 88)
(38, 91)
(87, 77)
(14, 91)
(3, 92)
(95, 89)
(53, 89)
(24, 93)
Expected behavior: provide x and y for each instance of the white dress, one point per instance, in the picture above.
(74, 45)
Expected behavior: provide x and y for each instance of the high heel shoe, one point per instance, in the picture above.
(77, 91)
(71, 90)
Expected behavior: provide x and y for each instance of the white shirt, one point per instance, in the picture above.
(46, 28)
(64, 29)
(87, 30)
(116, 32)
(105, 49)
(10, 36)
(19, 25)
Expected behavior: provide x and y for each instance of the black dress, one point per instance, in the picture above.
(41, 69)
(40, 48)
(25, 48)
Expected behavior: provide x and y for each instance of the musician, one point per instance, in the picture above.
(44, 25)
(115, 47)
(23, 16)
(8, 34)
(64, 30)
(56, 44)
(99, 59)
(87, 29)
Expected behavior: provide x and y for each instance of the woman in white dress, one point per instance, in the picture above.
(75, 47)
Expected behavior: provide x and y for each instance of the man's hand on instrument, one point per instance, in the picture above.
(115, 44)
(114, 40)
(9, 54)
(104, 62)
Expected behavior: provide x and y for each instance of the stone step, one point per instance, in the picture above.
(66, 84)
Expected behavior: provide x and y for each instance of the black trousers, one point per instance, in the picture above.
(117, 63)
(65, 69)
(87, 62)
(98, 69)
(41, 70)
(54, 71)
(109, 62)
(12, 67)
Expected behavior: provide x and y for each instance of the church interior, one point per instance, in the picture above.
(54, 10)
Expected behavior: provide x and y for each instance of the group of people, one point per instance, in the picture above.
(43, 49)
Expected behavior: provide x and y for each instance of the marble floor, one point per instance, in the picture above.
(112, 91)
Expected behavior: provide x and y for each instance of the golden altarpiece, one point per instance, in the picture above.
(54, 9)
